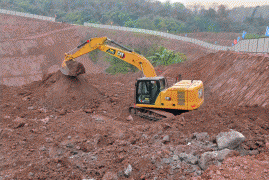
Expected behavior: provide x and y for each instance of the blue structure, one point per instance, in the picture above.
(267, 31)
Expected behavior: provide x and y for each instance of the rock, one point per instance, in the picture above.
(230, 140)
(110, 176)
(222, 154)
(26, 98)
(142, 177)
(211, 158)
(175, 158)
(48, 140)
(46, 120)
(153, 159)
(242, 151)
(129, 118)
(42, 110)
(18, 123)
(52, 116)
(166, 160)
(7, 117)
(203, 136)
(30, 174)
(144, 136)
(88, 110)
(189, 158)
(63, 112)
(31, 108)
(166, 138)
(69, 145)
(128, 170)
(69, 137)
(43, 148)
(192, 168)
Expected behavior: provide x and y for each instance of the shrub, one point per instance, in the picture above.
(166, 57)
(252, 36)
(119, 66)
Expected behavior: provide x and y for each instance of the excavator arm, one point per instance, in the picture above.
(124, 54)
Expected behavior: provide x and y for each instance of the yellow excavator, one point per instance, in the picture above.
(152, 96)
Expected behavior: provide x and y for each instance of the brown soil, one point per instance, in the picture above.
(74, 128)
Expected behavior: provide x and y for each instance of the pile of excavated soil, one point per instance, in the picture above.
(58, 91)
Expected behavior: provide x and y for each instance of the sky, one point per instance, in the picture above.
(229, 3)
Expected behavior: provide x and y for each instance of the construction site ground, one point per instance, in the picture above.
(58, 127)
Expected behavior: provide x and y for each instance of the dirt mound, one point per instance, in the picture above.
(58, 91)
(237, 79)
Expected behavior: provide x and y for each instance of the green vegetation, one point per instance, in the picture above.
(93, 55)
(254, 36)
(148, 14)
(119, 66)
(163, 56)
(166, 57)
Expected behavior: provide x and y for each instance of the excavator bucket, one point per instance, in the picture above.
(72, 68)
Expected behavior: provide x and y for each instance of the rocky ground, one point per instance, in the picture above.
(78, 128)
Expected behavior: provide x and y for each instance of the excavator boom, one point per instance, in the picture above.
(125, 54)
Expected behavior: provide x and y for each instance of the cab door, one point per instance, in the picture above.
(147, 91)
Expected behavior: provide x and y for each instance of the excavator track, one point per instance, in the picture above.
(151, 114)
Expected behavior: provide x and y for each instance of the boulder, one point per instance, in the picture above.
(207, 159)
(230, 140)
(129, 118)
(128, 170)
(189, 158)
(166, 139)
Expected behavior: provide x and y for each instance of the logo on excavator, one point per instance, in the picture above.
(121, 54)
(111, 51)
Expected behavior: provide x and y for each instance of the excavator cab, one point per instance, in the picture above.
(148, 89)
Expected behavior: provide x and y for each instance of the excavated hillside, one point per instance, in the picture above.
(237, 79)
(79, 128)
(28, 52)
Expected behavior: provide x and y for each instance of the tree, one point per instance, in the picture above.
(48, 6)
(224, 19)
(118, 17)
(178, 11)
